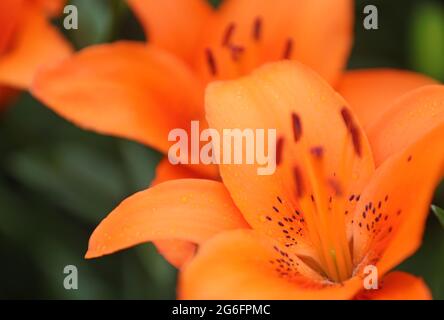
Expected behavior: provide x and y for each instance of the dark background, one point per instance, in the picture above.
(57, 182)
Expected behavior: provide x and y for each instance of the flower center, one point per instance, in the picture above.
(245, 56)
(322, 200)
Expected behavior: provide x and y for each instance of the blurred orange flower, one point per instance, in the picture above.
(142, 91)
(27, 41)
(309, 230)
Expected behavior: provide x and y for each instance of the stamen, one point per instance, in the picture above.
(318, 152)
(330, 208)
(279, 147)
(297, 175)
(211, 61)
(288, 49)
(356, 139)
(297, 126)
(353, 129)
(236, 52)
(319, 197)
(226, 40)
(257, 28)
(348, 119)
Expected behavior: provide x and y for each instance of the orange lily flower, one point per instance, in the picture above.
(309, 230)
(142, 91)
(23, 23)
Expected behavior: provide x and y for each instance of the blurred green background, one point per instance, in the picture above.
(57, 182)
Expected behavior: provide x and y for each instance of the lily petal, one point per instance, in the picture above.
(242, 264)
(9, 17)
(19, 64)
(398, 286)
(189, 209)
(389, 221)
(51, 7)
(177, 252)
(126, 89)
(175, 25)
(406, 121)
(371, 92)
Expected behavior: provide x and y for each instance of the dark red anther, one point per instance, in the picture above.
(257, 28)
(226, 40)
(317, 152)
(297, 126)
(279, 150)
(356, 139)
(236, 52)
(347, 117)
(353, 129)
(288, 49)
(211, 61)
(297, 175)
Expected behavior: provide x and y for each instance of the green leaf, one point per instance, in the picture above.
(215, 3)
(427, 39)
(73, 175)
(139, 163)
(439, 212)
(95, 23)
